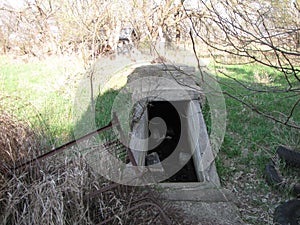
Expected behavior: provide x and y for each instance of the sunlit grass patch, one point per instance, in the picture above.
(250, 134)
(48, 85)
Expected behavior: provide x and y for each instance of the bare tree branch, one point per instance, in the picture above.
(251, 33)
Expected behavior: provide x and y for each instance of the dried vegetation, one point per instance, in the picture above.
(61, 190)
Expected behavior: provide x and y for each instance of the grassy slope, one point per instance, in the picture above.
(250, 136)
(48, 86)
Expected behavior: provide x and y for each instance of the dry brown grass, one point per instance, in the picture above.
(47, 194)
(16, 139)
(19, 139)
(57, 190)
(22, 131)
(17, 143)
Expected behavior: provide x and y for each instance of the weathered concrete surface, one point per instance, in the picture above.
(166, 81)
(175, 84)
(213, 213)
(203, 203)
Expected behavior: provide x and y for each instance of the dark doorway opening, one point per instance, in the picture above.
(173, 114)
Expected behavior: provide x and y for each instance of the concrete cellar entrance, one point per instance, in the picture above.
(168, 132)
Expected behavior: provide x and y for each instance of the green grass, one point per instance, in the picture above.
(251, 139)
(44, 85)
(103, 115)
(104, 104)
